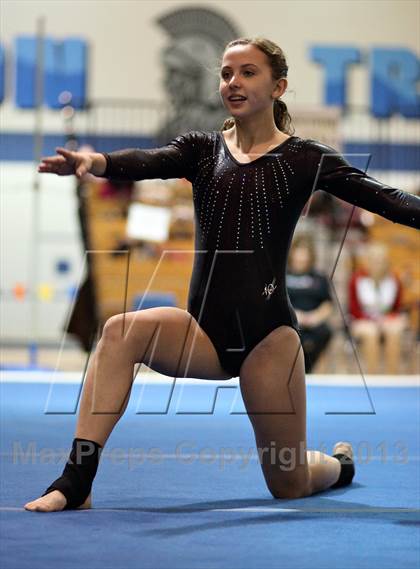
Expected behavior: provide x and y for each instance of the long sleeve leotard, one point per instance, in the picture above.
(245, 217)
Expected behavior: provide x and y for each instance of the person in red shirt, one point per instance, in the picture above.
(375, 293)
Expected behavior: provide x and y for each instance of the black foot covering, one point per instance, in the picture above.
(77, 478)
(347, 471)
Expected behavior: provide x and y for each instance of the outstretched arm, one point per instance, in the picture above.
(333, 174)
(178, 159)
(68, 162)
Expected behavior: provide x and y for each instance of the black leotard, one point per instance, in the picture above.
(245, 216)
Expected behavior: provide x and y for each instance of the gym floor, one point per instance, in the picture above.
(179, 484)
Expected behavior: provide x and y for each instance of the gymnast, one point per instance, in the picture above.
(250, 182)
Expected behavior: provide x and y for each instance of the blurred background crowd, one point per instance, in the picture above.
(137, 74)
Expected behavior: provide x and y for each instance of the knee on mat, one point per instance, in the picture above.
(288, 492)
(288, 484)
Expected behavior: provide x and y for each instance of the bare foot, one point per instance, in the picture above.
(54, 502)
(343, 448)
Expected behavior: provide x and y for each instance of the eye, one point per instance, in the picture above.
(225, 74)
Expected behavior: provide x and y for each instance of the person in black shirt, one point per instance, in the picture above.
(250, 182)
(310, 296)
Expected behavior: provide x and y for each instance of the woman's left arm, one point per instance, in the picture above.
(333, 174)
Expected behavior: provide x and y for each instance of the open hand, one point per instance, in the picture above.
(66, 163)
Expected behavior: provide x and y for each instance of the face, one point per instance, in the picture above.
(300, 259)
(246, 72)
(377, 260)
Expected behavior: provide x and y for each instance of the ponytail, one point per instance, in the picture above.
(228, 123)
(282, 117)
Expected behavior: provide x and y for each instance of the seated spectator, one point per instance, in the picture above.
(310, 296)
(375, 310)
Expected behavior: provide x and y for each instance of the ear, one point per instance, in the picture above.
(280, 88)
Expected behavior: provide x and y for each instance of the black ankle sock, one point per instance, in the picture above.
(80, 470)
(347, 471)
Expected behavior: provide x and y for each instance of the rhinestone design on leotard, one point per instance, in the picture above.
(245, 209)
(240, 211)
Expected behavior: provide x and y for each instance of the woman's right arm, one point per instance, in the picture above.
(178, 159)
(78, 163)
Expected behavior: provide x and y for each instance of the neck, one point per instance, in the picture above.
(300, 270)
(378, 275)
(250, 132)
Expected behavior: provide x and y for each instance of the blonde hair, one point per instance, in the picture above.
(304, 241)
(279, 68)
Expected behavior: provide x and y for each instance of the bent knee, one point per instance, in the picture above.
(113, 328)
(287, 479)
(283, 494)
(393, 328)
(365, 329)
(122, 326)
(289, 492)
(290, 489)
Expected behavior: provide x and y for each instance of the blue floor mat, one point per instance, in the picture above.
(185, 490)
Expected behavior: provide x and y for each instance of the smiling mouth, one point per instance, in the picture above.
(236, 101)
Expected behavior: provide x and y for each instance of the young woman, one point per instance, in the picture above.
(310, 296)
(375, 294)
(250, 181)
